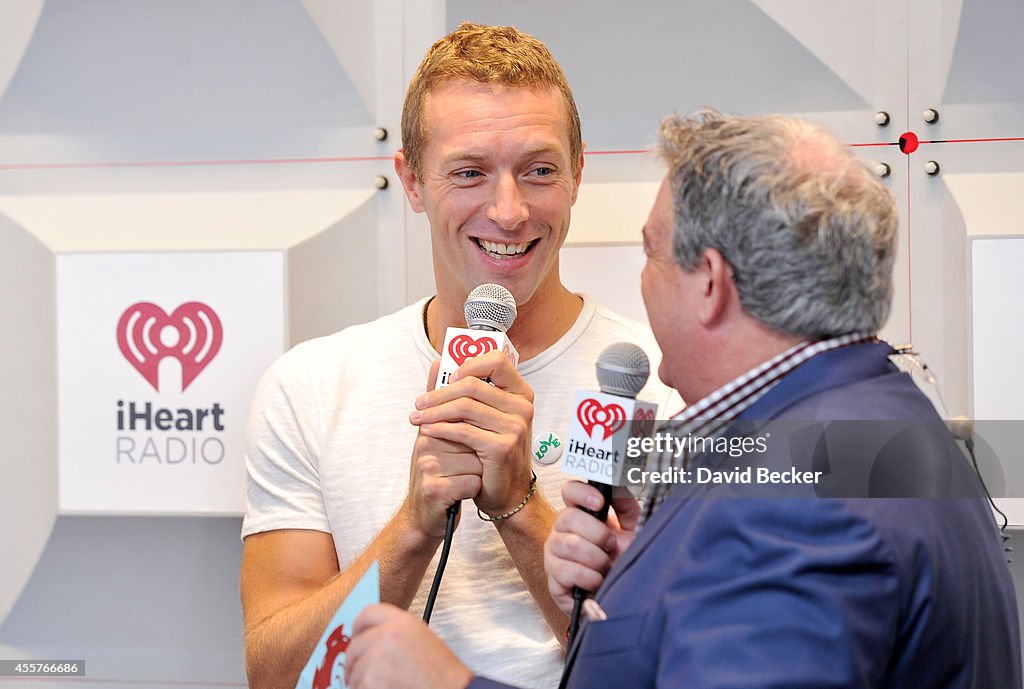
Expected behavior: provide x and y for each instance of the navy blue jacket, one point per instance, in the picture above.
(794, 586)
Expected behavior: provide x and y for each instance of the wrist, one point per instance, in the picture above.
(412, 536)
(497, 516)
(533, 520)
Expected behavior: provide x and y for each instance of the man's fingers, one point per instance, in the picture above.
(584, 526)
(374, 615)
(391, 648)
(572, 561)
(582, 495)
(564, 576)
(371, 618)
(435, 457)
(562, 547)
(451, 489)
(579, 549)
(625, 508)
(430, 404)
(448, 479)
(495, 367)
(515, 419)
(480, 440)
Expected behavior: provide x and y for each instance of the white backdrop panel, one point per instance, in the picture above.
(998, 368)
(193, 466)
(611, 274)
(998, 328)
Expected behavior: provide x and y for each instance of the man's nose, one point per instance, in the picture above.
(508, 209)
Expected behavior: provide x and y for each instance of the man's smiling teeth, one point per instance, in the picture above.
(496, 250)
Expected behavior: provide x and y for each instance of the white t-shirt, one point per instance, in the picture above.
(329, 445)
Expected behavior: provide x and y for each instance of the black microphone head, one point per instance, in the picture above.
(490, 307)
(623, 369)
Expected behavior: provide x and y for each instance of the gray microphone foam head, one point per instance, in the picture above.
(623, 369)
(490, 307)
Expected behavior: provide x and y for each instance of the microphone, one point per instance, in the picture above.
(599, 436)
(489, 308)
(623, 370)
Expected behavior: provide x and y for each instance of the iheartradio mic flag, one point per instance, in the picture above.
(599, 433)
(461, 344)
(325, 668)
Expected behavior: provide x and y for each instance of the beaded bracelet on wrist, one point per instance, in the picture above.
(521, 505)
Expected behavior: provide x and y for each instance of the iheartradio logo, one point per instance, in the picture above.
(643, 424)
(592, 414)
(464, 347)
(192, 335)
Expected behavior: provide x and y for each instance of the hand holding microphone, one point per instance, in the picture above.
(580, 550)
(481, 410)
(493, 418)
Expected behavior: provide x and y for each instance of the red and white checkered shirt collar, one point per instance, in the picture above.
(710, 414)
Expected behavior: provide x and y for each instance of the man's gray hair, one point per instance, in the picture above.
(809, 231)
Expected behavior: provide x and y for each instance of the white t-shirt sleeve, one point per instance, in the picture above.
(282, 454)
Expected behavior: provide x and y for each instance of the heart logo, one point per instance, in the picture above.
(643, 424)
(192, 335)
(610, 418)
(464, 347)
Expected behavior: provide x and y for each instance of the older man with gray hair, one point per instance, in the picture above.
(769, 272)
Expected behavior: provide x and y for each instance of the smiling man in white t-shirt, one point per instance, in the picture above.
(493, 155)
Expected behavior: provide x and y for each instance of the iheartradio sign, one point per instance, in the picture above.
(159, 355)
(600, 430)
(192, 335)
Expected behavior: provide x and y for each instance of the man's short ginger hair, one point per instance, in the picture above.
(487, 55)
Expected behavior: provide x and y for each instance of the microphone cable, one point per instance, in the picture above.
(435, 586)
(909, 361)
(578, 596)
(1004, 536)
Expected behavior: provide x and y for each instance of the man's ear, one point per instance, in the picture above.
(719, 288)
(409, 183)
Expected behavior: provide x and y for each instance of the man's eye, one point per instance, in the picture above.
(544, 171)
(468, 174)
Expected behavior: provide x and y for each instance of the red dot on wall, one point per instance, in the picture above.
(908, 142)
